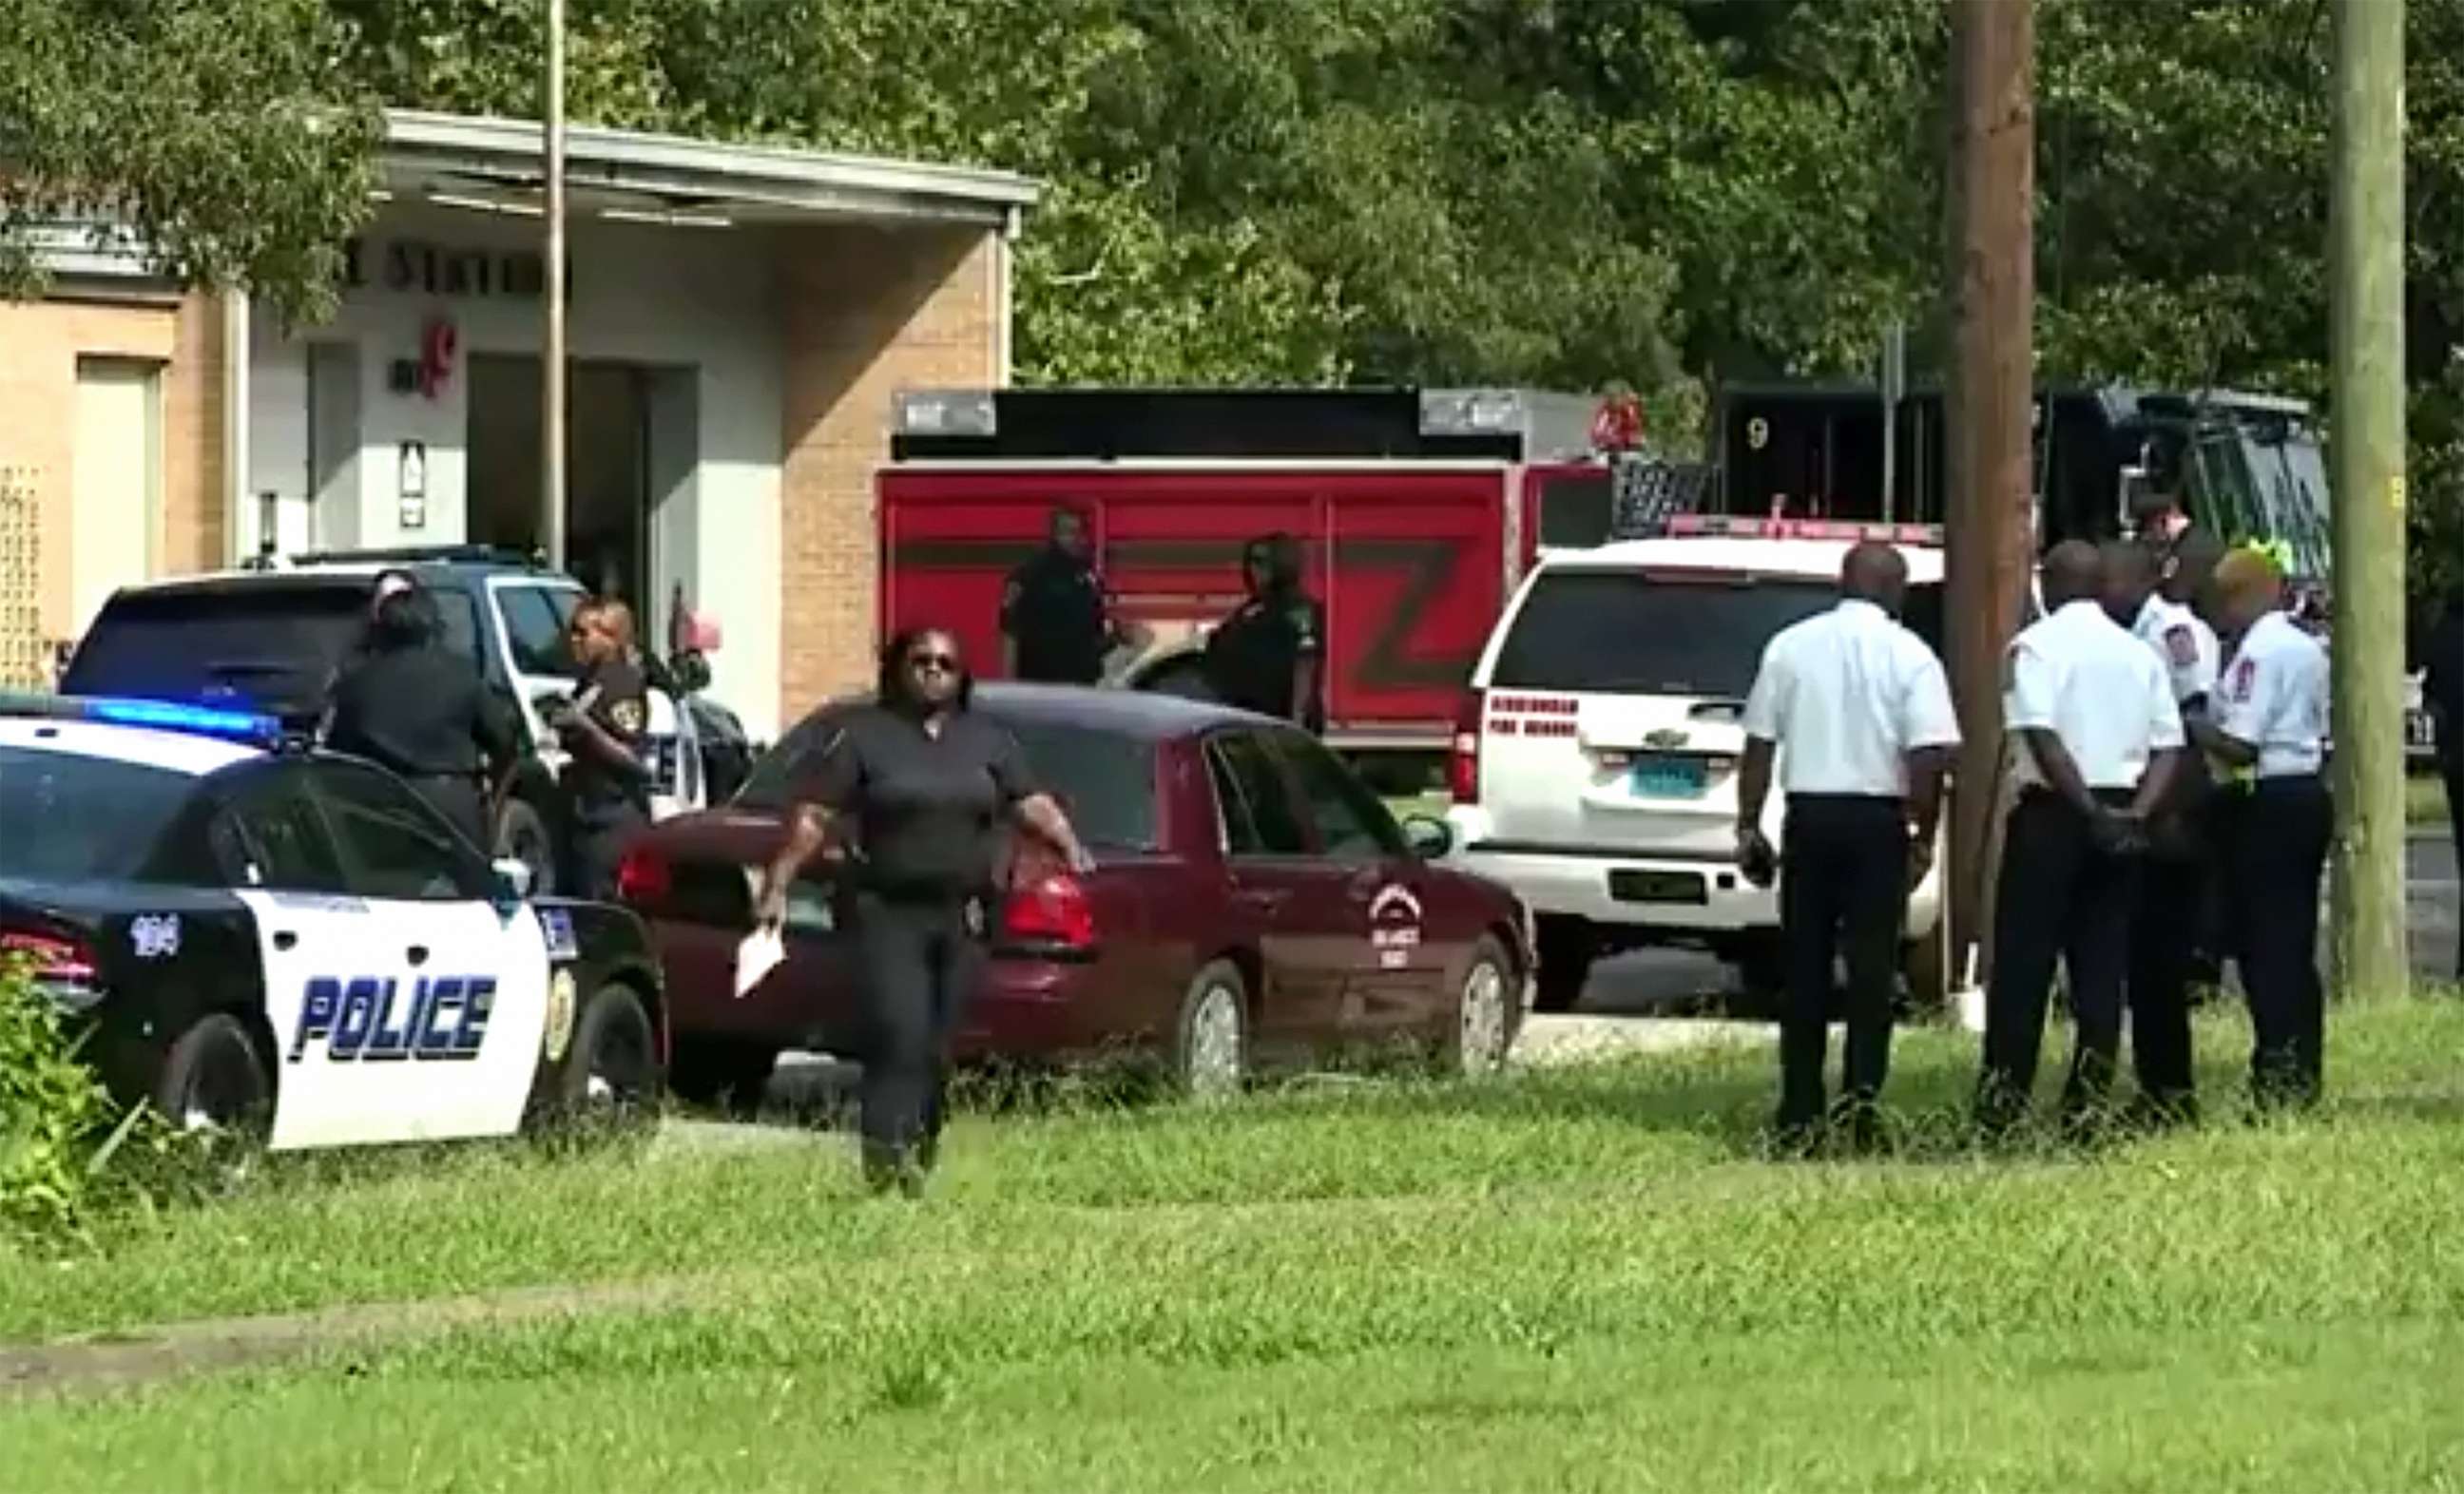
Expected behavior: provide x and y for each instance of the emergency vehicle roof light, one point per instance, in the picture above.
(944, 413)
(1463, 412)
(160, 715)
(1730, 527)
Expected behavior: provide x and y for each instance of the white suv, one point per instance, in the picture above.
(1595, 768)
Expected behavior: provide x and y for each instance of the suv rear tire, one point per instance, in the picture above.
(1567, 948)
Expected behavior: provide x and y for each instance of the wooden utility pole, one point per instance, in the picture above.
(2365, 263)
(1988, 494)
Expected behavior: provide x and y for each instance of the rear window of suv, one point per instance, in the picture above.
(276, 643)
(1665, 632)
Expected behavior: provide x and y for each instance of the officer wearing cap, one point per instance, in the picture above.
(606, 784)
(1857, 713)
(2270, 726)
(1268, 656)
(2097, 738)
(2186, 551)
(2174, 873)
(1056, 625)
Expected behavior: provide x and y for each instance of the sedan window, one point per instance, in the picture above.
(1259, 819)
(1351, 824)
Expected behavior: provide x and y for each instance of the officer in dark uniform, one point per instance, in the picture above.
(913, 793)
(2442, 689)
(606, 784)
(409, 705)
(1270, 655)
(1056, 626)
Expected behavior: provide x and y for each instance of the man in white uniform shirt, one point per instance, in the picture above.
(2174, 876)
(2098, 736)
(2271, 724)
(1858, 711)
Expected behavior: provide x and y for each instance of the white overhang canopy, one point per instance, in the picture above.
(492, 164)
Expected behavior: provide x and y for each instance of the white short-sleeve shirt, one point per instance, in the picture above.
(2185, 646)
(2083, 677)
(2275, 697)
(1846, 695)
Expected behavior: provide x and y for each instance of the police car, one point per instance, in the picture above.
(1594, 769)
(291, 943)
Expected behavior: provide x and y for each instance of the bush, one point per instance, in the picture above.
(67, 1150)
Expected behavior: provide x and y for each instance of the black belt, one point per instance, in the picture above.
(2114, 798)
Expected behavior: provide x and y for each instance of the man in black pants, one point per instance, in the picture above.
(1861, 710)
(2271, 730)
(2098, 735)
(2176, 875)
(2442, 690)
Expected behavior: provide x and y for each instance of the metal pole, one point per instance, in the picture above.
(1987, 405)
(551, 526)
(1894, 381)
(2365, 240)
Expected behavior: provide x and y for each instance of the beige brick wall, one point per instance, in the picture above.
(868, 312)
(40, 344)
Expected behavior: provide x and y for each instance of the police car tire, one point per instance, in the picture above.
(613, 1031)
(214, 1074)
(523, 835)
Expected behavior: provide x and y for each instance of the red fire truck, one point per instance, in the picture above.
(1419, 512)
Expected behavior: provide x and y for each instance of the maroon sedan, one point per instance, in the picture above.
(1252, 903)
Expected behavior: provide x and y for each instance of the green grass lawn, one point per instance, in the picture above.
(1582, 1279)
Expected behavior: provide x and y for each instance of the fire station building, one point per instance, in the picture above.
(737, 320)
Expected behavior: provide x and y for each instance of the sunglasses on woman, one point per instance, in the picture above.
(934, 663)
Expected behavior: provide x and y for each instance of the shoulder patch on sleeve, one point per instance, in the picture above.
(628, 714)
(2181, 644)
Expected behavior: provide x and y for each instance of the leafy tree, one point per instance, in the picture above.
(219, 134)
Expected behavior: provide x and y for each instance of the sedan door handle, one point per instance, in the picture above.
(285, 939)
(418, 954)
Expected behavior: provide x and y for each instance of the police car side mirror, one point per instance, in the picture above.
(512, 879)
(1429, 838)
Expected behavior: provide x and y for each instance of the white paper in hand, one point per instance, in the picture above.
(760, 952)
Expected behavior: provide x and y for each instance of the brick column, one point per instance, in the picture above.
(868, 310)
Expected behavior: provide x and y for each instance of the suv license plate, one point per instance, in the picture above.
(1655, 777)
(1637, 885)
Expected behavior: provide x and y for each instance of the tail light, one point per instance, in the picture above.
(64, 967)
(643, 878)
(1052, 910)
(1462, 757)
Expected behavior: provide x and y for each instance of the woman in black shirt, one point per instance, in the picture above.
(912, 792)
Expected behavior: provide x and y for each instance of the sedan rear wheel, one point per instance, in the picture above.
(1211, 1040)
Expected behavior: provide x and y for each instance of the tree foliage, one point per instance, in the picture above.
(222, 134)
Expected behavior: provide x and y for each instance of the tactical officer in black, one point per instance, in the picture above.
(1056, 627)
(409, 705)
(1270, 655)
(912, 795)
(606, 784)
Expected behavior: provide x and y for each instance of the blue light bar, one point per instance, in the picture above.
(160, 715)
